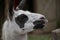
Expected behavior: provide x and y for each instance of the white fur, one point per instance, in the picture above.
(11, 31)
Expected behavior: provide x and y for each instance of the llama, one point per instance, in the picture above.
(21, 23)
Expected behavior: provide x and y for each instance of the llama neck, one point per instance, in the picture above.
(16, 37)
(20, 37)
(10, 33)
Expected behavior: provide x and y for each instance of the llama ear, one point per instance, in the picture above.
(21, 19)
(21, 5)
(10, 14)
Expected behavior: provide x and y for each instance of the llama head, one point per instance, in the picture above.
(26, 21)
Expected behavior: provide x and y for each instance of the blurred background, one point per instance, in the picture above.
(49, 8)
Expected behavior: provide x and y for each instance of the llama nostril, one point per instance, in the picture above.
(42, 18)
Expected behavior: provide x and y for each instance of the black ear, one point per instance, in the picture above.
(10, 14)
(11, 5)
(21, 5)
(21, 20)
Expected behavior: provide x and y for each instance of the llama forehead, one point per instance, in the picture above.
(30, 15)
(35, 16)
(17, 13)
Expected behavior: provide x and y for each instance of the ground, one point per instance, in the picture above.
(40, 37)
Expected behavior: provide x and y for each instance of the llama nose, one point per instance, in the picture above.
(44, 19)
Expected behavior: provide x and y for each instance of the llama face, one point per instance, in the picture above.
(28, 21)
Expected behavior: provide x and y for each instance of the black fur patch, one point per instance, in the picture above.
(39, 24)
(21, 20)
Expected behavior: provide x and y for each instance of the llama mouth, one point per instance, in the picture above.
(39, 26)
